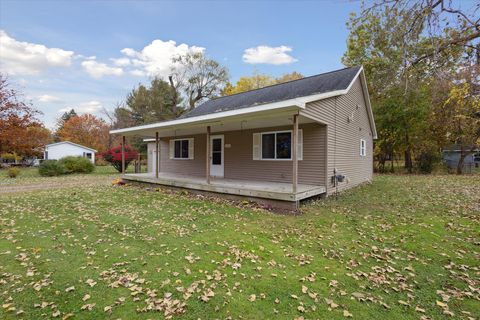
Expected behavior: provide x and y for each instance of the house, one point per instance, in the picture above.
(56, 151)
(278, 145)
(451, 156)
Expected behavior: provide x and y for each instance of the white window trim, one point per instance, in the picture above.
(363, 148)
(275, 146)
(190, 147)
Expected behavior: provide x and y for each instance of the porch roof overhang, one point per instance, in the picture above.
(224, 120)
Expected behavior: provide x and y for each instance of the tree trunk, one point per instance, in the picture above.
(381, 163)
(408, 160)
(460, 163)
(174, 96)
(461, 160)
(392, 159)
(408, 154)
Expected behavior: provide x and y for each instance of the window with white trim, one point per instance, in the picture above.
(181, 148)
(363, 148)
(276, 145)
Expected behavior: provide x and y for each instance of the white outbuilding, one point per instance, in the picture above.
(56, 151)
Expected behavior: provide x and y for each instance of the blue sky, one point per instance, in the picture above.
(88, 55)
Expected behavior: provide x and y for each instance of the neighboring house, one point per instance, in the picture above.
(251, 150)
(56, 151)
(451, 156)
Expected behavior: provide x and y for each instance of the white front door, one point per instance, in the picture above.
(216, 156)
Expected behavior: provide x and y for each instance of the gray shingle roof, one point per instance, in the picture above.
(322, 83)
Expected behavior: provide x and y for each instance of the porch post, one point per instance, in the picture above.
(157, 154)
(294, 154)
(123, 154)
(208, 155)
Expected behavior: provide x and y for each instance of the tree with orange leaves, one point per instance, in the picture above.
(20, 130)
(86, 130)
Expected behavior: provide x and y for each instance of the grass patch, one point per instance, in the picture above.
(31, 175)
(400, 248)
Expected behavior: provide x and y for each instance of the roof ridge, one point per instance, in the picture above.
(68, 141)
(278, 84)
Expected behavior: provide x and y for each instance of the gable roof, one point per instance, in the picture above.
(289, 96)
(337, 80)
(68, 142)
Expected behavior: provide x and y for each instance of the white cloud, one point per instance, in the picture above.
(48, 98)
(129, 52)
(268, 55)
(138, 73)
(156, 58)
(87, 107)
(121, 62)
(98, 70)
(27, 58)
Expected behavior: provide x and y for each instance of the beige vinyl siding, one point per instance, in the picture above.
(150, 156)
(238, 157)
(239, 163)
(194, 167)
(343, 137)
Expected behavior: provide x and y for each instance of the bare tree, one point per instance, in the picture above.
(448, 24)
(197, 77)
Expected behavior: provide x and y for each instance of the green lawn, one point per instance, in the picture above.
(401, 248)
(31, 176)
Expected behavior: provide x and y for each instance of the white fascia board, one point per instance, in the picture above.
(355, 78)
(215, 116)
(369, 105)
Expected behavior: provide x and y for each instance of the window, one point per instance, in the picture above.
(89, 155)
(181, 148)
(217, 151)
(276, 145)
(363, 148)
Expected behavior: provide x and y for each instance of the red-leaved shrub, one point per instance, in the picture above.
(114, 157)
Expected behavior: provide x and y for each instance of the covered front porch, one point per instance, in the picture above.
(278, 155)
(246, 188)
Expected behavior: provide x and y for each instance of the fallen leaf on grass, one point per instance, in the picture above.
(88, 306)
(418, 309)
(404, 303)
(330, 303)
(91, 282)
(347, 314)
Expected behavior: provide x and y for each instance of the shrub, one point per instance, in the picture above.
(427, 160)
(77, 165)
(114, 156)
(13, 172)
(10, 157)
(50, 168)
